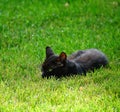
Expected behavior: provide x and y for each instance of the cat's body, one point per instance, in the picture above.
(79, 62)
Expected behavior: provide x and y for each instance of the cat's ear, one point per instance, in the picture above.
(49, 52)
(63, 56)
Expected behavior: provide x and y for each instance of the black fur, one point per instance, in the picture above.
(79, 62)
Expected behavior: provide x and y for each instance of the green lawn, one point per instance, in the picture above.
(28, 26)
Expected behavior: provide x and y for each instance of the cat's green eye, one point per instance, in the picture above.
(50, 70)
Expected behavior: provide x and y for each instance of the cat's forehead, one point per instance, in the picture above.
(51, 58)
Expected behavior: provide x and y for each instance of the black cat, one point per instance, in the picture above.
(79, 62)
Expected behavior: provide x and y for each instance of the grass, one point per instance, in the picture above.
(27, 27)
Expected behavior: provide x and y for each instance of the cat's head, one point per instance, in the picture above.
(52, 62)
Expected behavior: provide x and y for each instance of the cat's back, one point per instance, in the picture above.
(89, 56)
(92, 54)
